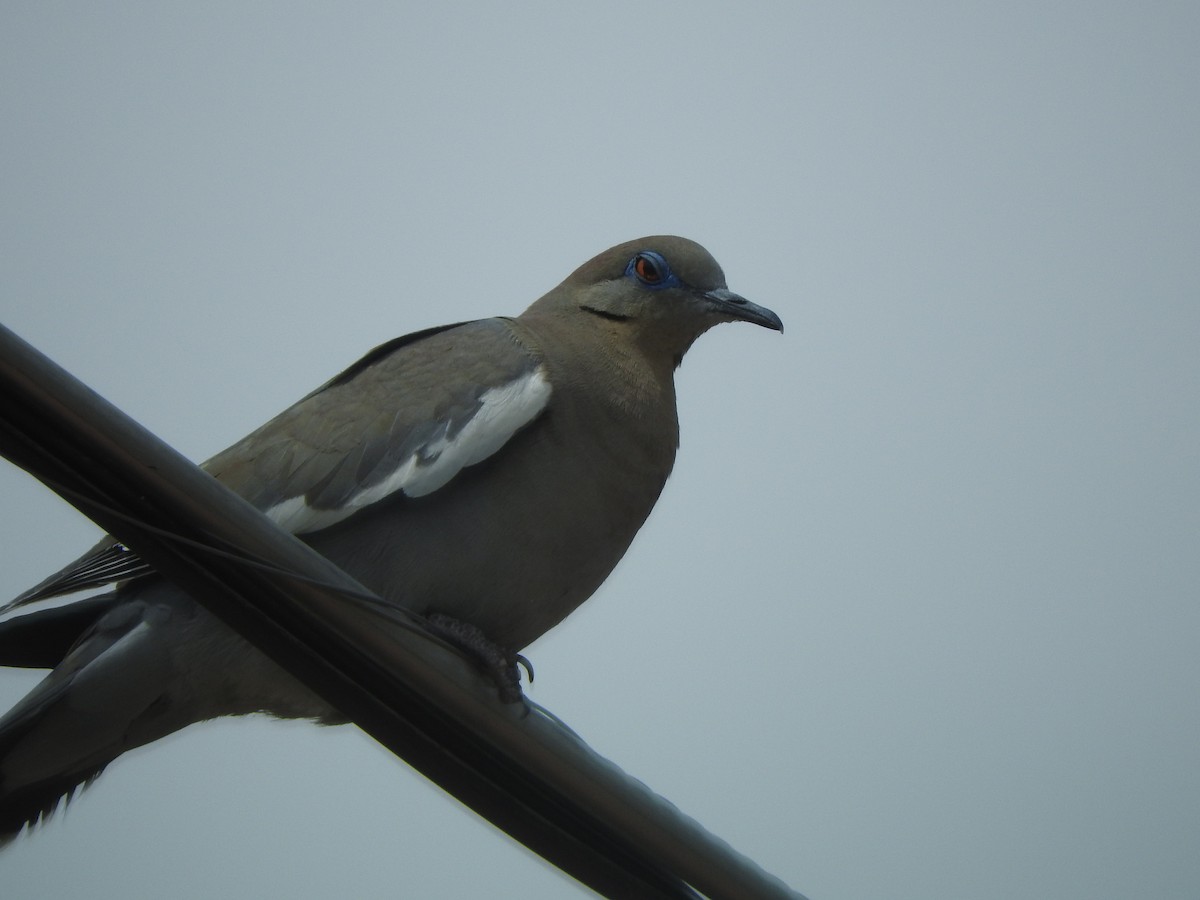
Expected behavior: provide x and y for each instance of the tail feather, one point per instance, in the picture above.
(104, 697)
(41, 640)
(26, 805)
(33, 804)
(142, 668)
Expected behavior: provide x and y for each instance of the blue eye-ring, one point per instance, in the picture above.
(651, 270)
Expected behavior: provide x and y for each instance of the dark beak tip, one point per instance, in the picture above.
(739, 308)
(766, 318)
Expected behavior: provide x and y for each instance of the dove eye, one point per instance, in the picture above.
(646, 270)
(651, 270)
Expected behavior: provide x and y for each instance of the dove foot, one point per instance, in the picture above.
(499, 663)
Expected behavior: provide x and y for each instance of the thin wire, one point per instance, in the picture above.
(394, 614)
(374, 601)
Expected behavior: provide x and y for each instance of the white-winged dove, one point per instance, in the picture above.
(490, 473)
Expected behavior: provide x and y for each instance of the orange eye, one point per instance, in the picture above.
(651, 270)
(646, 270)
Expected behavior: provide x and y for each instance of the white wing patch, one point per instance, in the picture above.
(503, 411)
(296, 516)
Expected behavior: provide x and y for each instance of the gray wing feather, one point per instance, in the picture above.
(407, 417)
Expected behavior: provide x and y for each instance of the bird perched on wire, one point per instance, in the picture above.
(487, 475)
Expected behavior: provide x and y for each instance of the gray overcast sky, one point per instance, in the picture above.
(917, 614)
